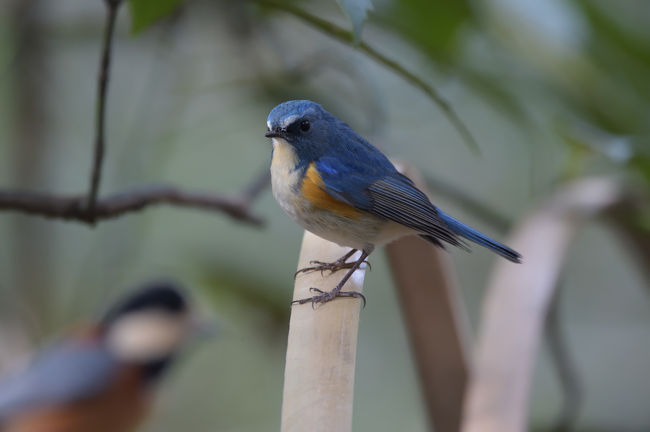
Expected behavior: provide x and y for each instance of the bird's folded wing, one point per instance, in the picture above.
(63, 373)
(397, 199)
(379, 189)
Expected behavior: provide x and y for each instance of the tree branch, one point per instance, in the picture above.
(100, 108)
(347, 37)
(88, 209)
(70, 207)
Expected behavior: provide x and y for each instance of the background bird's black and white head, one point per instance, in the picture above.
(150, 325)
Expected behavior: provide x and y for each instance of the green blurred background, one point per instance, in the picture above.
(551, 90)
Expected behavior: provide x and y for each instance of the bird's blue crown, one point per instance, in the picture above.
(288, 112)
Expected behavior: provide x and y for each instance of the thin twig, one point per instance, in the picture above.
(69, 207)
(565, 367)
(347, 37)
(100, 108)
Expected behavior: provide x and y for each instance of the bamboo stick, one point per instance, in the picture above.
(321, 349)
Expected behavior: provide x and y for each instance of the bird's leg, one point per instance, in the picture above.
(335, 266)
(325, 296)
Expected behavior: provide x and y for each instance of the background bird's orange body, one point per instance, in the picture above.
(120, 408)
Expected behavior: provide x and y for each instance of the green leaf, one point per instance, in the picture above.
(145, 13)
(433, 26)
(357, 12)
(641, 163)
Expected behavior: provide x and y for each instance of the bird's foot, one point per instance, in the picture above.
(323, 266)
(332, 267)
(325, 296)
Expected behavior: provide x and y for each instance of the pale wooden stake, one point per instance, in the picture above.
(436, 322)
(322, 347)
(516, 303)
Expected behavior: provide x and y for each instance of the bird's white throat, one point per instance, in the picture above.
(147, 335)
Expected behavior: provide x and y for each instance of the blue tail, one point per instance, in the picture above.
(479, 238)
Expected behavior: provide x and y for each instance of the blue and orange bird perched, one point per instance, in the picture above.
(340, 187)
(101, 379)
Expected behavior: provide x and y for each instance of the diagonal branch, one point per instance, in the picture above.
(347, 37)
(100, 109)
(71, 207)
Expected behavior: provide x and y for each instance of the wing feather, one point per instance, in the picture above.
(375, 186)
(397, 199)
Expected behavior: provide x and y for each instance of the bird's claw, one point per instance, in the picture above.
(332, 267)
(326, 296)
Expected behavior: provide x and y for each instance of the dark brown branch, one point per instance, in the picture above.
(100, 110)
(69, 207)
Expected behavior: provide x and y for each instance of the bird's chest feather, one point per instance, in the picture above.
(301, 195)
(286, 179)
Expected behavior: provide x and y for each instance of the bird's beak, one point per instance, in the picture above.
(275, 133)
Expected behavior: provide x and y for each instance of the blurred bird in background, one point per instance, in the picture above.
(101, 378)
(340, 187)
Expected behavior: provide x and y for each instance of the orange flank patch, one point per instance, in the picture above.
(313, 189)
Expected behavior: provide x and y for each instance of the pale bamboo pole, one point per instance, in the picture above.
(322, 346)
(516, 303)
(436, 321)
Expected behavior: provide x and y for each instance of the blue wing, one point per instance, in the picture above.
(372, 184)
(63, 373)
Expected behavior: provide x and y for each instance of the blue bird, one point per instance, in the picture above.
(340, 187)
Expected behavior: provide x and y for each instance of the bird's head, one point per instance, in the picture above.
(304, 124)
(149, 326)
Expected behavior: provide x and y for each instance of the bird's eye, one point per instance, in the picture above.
(305, 125)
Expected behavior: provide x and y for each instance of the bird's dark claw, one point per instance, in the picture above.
(332, 267)
(326, 296)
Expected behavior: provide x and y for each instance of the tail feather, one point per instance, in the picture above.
(479, 238)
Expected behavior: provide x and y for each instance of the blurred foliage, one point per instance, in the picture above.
(145, 13)
(604, 80)
(433, 26)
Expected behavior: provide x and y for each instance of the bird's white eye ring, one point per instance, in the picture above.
(305, 125)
